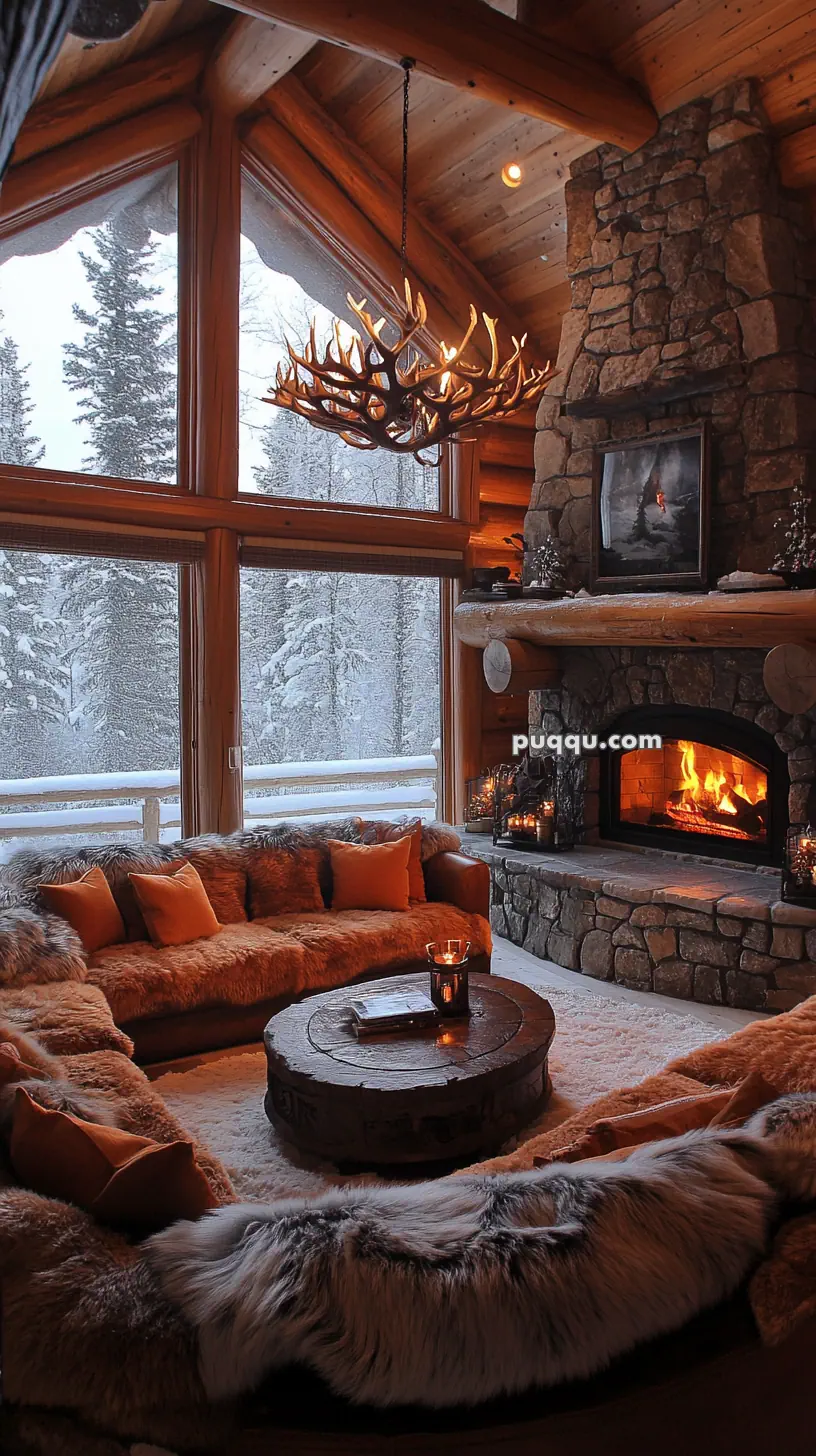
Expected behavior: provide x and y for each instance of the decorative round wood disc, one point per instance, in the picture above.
(789, 674)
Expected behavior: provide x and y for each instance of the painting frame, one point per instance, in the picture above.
(686, 578)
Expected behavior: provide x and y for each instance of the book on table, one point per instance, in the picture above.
(393, 1011)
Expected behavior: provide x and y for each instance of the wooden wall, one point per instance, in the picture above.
(505, 472)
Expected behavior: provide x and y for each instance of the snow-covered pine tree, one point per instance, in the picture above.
(123, 614)
(18, 444)
(124, 369)
(30, 672)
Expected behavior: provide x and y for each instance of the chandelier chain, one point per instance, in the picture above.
(407, 63)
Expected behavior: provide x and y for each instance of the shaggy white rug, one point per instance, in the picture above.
(599, 1045)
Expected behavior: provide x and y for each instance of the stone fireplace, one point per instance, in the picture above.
(693, 278)
(692, 275)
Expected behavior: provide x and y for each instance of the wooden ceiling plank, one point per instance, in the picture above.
(699, 45)
(252, 56)
(445, 274)
(471, 46)
(170, 71)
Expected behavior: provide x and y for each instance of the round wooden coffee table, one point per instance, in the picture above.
(448, 1093)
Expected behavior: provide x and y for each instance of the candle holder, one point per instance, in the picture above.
(449, 976)
(799, 874)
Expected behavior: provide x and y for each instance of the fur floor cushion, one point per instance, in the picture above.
(458, 1291)
(65, 1017)
(538, 1150)
(782, 1048)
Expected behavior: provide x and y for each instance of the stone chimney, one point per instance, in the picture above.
(688, 262)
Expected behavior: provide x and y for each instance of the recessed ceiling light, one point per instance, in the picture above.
(545, 257)
(512, 174)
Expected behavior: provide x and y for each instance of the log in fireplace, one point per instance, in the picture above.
(717, 785)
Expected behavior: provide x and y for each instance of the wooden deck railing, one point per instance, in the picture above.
(147, 804)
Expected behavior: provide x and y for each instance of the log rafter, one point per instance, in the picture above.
(469, 45)
(170, 72)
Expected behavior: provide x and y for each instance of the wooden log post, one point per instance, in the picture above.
(216, 687)
(514, 667)
(216, 676)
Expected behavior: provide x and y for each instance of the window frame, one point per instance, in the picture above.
(210, 164)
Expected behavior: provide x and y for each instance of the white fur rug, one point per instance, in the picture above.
(599, 1045)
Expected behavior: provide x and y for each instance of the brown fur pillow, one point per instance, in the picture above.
(285, 881)
(225, 887)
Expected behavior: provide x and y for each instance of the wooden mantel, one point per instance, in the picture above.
(653, 619)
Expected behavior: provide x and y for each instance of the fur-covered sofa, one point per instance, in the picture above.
(221, 991)
(96, 1356)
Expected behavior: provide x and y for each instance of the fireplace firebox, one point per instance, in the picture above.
(717, 785)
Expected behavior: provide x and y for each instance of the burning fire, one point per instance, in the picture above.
(713, 794)
(661, 500)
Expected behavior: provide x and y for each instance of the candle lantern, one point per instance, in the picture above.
(526, 816)
(449, 976)
(799, 873)
(480, 797)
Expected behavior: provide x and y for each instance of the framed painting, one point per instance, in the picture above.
(649, 524)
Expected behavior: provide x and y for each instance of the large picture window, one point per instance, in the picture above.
(89, 698)
(88, 336)
(337, 666)
(285, 283)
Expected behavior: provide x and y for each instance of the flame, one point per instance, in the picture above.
(661, 500)
(700, 796)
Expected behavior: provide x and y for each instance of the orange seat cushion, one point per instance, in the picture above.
(370, 876)
(176, 907)
(89, 907)
(117, 1177)
(385, 833)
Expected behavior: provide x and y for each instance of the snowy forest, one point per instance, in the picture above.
(333, 665)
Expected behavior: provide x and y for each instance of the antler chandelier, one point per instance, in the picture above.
(377, 395)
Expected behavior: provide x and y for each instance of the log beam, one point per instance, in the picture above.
(352, 209)
(249, 59)
(518, 668)
(797, 158)
(645, 619)
(469, 45)
(82, 169)
(167, 73)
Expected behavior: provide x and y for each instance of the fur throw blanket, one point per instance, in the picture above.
(461, 1290)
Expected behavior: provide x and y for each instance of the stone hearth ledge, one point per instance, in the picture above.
(702, 932)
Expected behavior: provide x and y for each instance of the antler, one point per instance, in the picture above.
(374, 398)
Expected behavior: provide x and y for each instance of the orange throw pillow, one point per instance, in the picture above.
(614, 1137)
(118, 1177)
(370, 876)
(13, 1068)
(387, 834)
(88, 905)
(176, 907)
